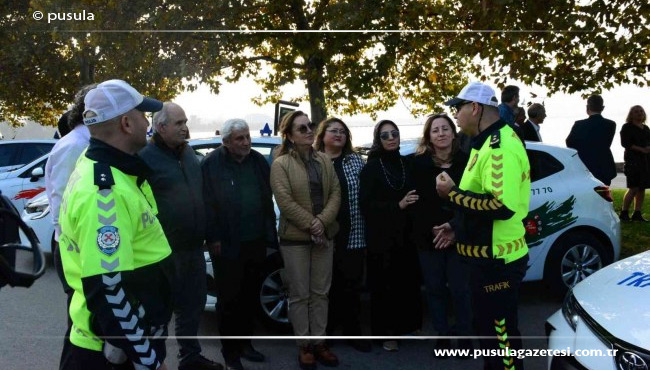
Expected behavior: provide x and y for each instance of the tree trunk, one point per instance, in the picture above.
(316, 89)
(87, 70)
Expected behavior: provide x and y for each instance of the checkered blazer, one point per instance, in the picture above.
(352, 165)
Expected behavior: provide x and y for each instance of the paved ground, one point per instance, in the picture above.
(33, 321)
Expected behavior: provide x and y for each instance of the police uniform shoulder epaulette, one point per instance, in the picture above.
(495, 140)
(103, 176)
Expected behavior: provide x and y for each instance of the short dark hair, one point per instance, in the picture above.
(536, 110)
(75, 118)
(595, 103)
(509, 92)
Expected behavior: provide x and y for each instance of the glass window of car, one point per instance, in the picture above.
(8, 154)
(542, 165)
(33, 151)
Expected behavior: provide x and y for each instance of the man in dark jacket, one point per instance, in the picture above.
(592, 138)
(176, 181)
(530, 128)
(240, 225)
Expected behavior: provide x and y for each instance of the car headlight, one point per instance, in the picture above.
(570, 310)
(37, 210)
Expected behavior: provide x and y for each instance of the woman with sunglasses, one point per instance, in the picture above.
(307, 192)
(439, 151)
(334, 139)
(386, 196)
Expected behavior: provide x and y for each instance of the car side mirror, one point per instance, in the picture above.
(37, 173)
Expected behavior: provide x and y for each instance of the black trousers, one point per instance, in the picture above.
(238, 294)
(58, 267)
(189, 301)
(345, 292)
(495, 292)
(394, 284)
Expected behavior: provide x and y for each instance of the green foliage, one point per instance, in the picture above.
(568, 46)
(635, 236)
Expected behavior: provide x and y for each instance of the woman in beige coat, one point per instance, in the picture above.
(307, 192)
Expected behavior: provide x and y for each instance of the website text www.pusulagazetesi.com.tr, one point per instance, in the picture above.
(523, 353)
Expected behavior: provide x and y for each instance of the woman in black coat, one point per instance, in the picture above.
(635, 138)
(386, 195)
(438, 151)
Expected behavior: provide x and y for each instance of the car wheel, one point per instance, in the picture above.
(274, 296)
(572, 259)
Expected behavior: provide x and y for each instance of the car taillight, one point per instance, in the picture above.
(604, 192)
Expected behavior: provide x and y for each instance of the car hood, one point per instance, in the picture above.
(618, 298)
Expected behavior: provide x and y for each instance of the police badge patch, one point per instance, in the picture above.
(108, 239)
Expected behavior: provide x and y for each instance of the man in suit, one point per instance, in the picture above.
(530, 128)
(592, 138)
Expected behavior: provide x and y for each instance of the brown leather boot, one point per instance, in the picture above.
(306, 358)
(325, 356)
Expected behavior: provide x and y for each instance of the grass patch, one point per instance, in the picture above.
(635, 236)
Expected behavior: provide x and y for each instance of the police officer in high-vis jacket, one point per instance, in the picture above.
(490, 202)
(114, 252)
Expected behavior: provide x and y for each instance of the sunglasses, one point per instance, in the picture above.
(310, 127)
(387, 135)
(458, 106)
(337, 132)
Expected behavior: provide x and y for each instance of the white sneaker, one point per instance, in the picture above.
(391, 346)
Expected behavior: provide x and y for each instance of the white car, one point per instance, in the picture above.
(605, 320)
(24, 183)
(16, 153)
(572, 229)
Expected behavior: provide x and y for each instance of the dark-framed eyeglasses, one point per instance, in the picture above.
(334, 131)
(386, 135)
(458, 106)
(310, 127)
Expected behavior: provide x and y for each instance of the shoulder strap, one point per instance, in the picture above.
(103, 176)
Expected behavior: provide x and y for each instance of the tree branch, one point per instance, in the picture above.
(299, 15)
(318, 15)
(276, 61)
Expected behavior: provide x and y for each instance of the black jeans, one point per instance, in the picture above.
(238, 294)
(345, 292)
(189, 301)
(495, 294)
(443, 273)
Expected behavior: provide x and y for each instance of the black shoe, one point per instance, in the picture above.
(637, 216)
(233, 364)
(624, 216)
(201, 363)
(360, 345)
(441, 345)
(249, 353)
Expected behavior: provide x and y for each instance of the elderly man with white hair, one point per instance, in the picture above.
(176, 181)
(240, 225)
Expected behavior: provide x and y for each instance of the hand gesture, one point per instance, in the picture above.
(444, 183)
(444, 236)
(410, 198)
(317, 228)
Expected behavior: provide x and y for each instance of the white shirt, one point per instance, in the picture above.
(59, 167)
